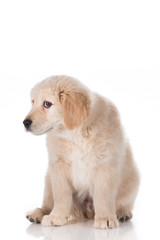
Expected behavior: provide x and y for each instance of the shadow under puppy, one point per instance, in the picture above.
(91, 172)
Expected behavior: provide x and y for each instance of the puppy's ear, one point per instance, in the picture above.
(75, 108)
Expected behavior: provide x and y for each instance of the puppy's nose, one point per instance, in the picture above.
(27, 123)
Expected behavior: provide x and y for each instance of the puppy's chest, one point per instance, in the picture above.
(79, 153)
(81, 165)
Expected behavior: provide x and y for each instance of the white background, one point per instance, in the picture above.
(114, 48)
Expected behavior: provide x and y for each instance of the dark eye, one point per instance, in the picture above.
(47, 104)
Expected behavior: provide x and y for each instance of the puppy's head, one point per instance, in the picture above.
(56, 101)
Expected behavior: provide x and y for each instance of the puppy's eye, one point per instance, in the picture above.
(47, 104)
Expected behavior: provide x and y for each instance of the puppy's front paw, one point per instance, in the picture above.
(35, 216)
(110, 222)
(51, 220)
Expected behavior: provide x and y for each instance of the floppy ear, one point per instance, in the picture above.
(75, 108)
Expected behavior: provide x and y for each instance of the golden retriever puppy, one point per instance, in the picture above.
(91, 172)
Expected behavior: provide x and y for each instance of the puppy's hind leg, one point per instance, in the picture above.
(128, 189)
(125, 205)
(47, 206)
(124, 214)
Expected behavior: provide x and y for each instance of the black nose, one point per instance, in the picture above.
(27, 123)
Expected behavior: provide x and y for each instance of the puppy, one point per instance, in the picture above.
(91, 172)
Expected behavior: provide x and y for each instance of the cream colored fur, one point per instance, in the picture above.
(89, 155)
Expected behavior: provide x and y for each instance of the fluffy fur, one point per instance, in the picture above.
(91, 172)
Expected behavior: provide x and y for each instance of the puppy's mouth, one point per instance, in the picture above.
(40, 131)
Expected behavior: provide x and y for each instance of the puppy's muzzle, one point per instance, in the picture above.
(27, 123)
